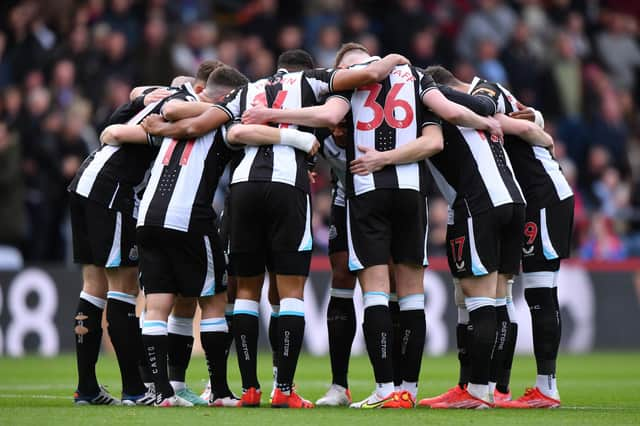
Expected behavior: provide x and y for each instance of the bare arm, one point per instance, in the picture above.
(328, 115)
(258, 134)
(458, 114)
(430, 143)
(349, 79)
(177, 109)
(117, 134)
(189, 127)
(525, 129)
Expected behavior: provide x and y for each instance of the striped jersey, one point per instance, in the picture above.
(277, 163)
(114, 175)
(183, 182)
(336, 157)
(538, 173)
(384, 116)
(473, 171)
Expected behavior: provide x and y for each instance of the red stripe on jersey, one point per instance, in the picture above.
(169, 153)
(186, 153)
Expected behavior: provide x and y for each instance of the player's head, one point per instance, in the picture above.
(204, 70)
(351, 54)
(295, 60)
(443, 76)
(182, 79)
(220, 82)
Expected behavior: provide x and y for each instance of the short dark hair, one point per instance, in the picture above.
(295, 60)
(441, 75)
(226, 76)
(348, 47)
(206, 68)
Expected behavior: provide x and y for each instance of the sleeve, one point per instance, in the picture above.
(224, 129)
(232, 103)
(320, 80)
(344, 95)
(125, 112)
(492, 92)
(429, 118)
(481, 105)
(426, 84)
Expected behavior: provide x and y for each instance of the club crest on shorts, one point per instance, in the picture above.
(133, 253)
(333, 232)
(527, 251)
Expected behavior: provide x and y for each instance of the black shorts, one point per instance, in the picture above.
(187, 263)
(547, 236)
(387, 224)
(338, 229)
(270, 228)
(485, 243)
(102, 236)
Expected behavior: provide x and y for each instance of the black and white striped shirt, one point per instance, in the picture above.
(183, 181)
(385, 116)
(474, 172)
(114, 175)
(277, 163)
(538, 173)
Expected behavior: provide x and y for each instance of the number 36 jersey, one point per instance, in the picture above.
(384, 116)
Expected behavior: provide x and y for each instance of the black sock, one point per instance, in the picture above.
(504, 374)
(482, 328)
(546, 327)
(125, 337)
(413, 331)
(341, 324)
(274, 339)
(143, 363)
(378, 336)
(156, 349)
(179, 355)
(88, 330)
(214, 345)
(229, 336)
(463, 342)
(245, 334)
(291, 334)
(499, 350)
(394, 312)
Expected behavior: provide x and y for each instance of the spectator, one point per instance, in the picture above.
(489, 67)
(407, 18)
(619, 50)
(12, 214)
(329, 41)
(195, 48)
(153, 57)
(423, 48)
(493, 21)
(603, 243)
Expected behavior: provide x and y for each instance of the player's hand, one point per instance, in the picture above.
(312, 176)
(153, 124)
(494, 127)
(523, 113)
(399, 59)
(156, 95)
(256, 115)
(370, 162)
(314, 148)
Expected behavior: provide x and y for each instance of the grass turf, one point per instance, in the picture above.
(596, 389)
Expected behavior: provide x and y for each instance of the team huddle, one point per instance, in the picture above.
(142, 218)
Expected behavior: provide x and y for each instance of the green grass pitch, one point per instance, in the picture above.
(596, 389)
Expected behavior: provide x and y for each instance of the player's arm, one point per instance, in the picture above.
(349, 79)
(528, 113)
(481, 105)
(188, 128)
(258, 134)
(457, 114)
(530, 132)
(428, 144)
(330, 114)
(117, 134)
(178, 109)
(141, 90)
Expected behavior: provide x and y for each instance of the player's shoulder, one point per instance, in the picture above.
(484, 87)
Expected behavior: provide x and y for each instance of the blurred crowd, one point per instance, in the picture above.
(66, 64)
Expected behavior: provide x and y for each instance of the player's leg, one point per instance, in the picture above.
(394, 312)
(180, 328)
(91, 246)
(341, 315)
(274, 301)
(214, 330)
(502, 356)
(124, 329)
(369, 242)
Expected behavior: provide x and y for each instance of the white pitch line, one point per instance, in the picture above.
(8, 395)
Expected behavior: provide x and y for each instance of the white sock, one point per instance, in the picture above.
(178, 386)
(547, 385)
(479, 391)
(384, 389)
(411, 387)
(492, 388)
